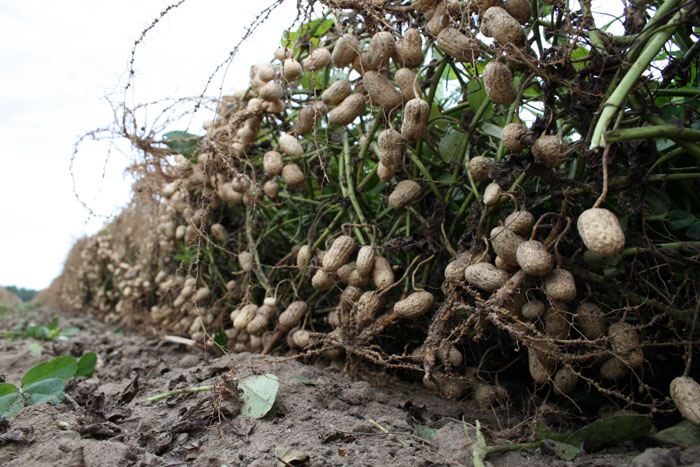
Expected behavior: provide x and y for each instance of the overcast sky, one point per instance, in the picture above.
(59, 61)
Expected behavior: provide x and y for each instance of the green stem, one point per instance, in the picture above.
(427, 176)
(179, 391)
(673, 246)
(351, 190)
(365, 147)
(668, 130)
(631, 78)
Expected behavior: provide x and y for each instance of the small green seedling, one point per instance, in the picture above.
(44, 383)
(44, 332)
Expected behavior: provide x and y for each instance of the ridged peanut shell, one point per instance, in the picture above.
(336, 92)
(345, 51)
(486, 276)
(459, 46)
(292, 175)
(556, 321)
(406, 81)
(534, 258)
(291, 146)
(308, 116)
(564, 381)
(505, 243)
(559, 285)
(479, 167)
(303, 256)
(520, 222)
(498, 81)
(292, 315)
(366, 307)
(415, 120)
(381, 49)
(497, 23)
(512, 135)
(317, 59)
(352, 107)
(339, 253)
(405, 192)
(414, 305)
(291, 69)
(454, 271)
(439, 19)
(381, 91)
(492, 193)
(624, 341)
(390, 146)
(533, 310)
(422, 6)
(343, 273)
(685, 392)
(245, 316)
(382, 273)
(601, 231)
(272, 91)
(519, 9)
(257, 325)
(365, 260)
(590, 320)
(539, 371)
(409, 49)
(385, 173)
(550, 151)
(613, 369)
(322, 280)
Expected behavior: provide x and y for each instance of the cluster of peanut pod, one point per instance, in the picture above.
(319, 215)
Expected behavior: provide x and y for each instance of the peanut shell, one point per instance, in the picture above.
(560, 286)
(498, 81)
(534, 259)
(381, 91)
(486, 276)
(601, 232)
(415, 120)
(414, 305)
(352, 107)
(405, 192)
(345, 51)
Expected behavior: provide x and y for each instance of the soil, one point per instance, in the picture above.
(323, 412)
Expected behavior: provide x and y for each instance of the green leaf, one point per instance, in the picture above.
(10, 400)
(305, 380)
(542, 432)
(610, 432)
(259, 393)
(475, 94)
(685, 434)
(286, 456)
(48, 390)
(35, 349)
(86, 364)
(693, 231)
(182, 142)
(679, 219)
(220, 338)
(449, 145)
(563, 451)
(425, 432)
(60, 367)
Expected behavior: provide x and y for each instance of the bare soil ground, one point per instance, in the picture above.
(322, 412)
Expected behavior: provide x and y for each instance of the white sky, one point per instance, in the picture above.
(58, 62)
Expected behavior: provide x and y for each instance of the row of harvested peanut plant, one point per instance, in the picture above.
(409, 186)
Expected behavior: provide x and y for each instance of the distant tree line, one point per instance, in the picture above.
(25, 294)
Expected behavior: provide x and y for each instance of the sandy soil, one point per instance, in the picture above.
(322, 412)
